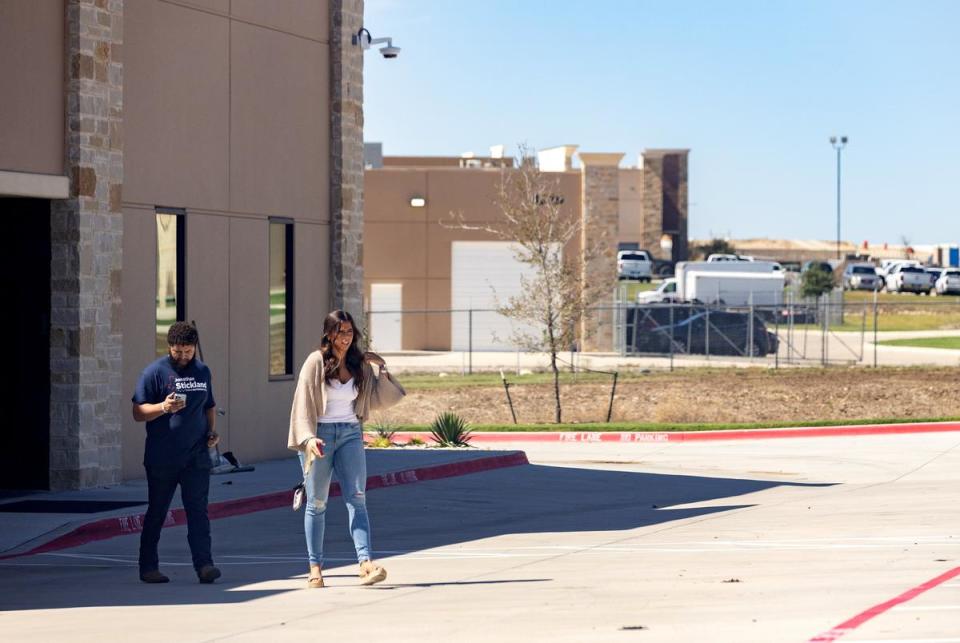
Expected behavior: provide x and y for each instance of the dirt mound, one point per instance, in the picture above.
(731, 395)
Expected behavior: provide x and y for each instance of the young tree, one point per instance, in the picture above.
(553, 300)
(714, 246)
(815, 282)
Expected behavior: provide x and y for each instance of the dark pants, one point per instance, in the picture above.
(194, 488)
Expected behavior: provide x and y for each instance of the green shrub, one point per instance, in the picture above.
(415, 442)
(384, 431)
(450, 430)
(816, 282)
(380, 443)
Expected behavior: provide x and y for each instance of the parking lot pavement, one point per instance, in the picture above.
(779, 540)
(268, 485)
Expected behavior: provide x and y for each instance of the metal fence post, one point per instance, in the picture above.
(671, 304)
(706, 333)
(776, 333)
(470, 341)
(613, 391)
(875, 317)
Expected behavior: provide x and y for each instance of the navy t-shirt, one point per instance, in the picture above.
(176, 439)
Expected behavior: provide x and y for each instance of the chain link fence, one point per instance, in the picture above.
(823, 331)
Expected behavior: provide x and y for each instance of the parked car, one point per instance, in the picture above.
(814, 264)
(860, 276)
(695, 329)
(719, 256)
(949, 282)
(667, 292)
(933, 273)
(906, 278)
(663, 267)
(634, 264)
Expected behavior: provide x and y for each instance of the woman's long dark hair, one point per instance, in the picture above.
(354, 357)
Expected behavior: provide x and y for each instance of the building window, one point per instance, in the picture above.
(171, 272)
(281, 297)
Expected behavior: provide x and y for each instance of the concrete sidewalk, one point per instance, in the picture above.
(267, 487)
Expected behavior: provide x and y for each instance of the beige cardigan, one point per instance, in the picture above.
(310, 402)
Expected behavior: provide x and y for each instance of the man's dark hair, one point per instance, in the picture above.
(183, 334)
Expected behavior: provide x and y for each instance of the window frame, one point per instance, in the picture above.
(289, 245)
(180, 215)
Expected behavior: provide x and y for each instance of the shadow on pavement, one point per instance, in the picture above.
(268, 547)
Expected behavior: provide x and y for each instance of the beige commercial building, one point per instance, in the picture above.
(417, 263)
(160, 159)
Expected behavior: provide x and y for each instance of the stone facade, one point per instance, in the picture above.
(346, 162)
(600, 190)
(86, 248)
(665, 205)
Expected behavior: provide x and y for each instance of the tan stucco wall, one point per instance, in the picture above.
(410, 246)
(631, 205)
(228, 119)
(31, 86)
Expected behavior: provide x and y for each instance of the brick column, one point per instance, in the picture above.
(600, 190)
(346, 158)
(665, 189)
(86, 246)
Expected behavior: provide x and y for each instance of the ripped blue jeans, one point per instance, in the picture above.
(343, 456)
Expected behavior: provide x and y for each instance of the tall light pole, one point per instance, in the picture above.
(838, 145)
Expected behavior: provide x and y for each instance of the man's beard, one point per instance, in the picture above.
(177, 364)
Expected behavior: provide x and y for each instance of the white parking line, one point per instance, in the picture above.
(908, 641)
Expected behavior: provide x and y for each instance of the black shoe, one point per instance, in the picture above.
(153, 576)
(208, 573)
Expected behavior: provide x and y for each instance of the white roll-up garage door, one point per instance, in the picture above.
(481, 273)
(386, 320)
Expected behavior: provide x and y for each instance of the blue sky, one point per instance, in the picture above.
(754, 89)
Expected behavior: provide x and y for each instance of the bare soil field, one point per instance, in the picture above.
(694, 396)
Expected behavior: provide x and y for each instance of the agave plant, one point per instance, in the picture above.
(384, 431)
(450, 430)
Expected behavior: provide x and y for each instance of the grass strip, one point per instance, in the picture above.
(666, 426)
(926, 342)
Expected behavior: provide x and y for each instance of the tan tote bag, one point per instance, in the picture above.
(387, 391)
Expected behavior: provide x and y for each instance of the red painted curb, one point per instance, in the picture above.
(699, 436)
(123, 525)
(848, 626)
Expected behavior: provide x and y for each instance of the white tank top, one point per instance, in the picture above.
(340, 397)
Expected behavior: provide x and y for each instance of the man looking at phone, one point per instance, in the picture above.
(174, 397)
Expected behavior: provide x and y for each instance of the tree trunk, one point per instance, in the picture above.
(556, 372)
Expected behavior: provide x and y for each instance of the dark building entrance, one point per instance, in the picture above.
(25, 333)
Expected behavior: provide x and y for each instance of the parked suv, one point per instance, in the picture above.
(813, 264)
(698, 330)
(860, 276)
(949, 282)
(933, 273)
(634, 264)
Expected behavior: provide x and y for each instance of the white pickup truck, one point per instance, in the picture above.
(634, 264)
(907, 278)
(666, 293)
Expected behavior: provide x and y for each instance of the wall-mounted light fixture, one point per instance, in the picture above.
(417, 202)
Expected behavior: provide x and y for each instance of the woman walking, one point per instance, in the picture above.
(335, 391)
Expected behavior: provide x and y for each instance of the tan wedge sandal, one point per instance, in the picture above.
(371, 573)
(315, 579)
